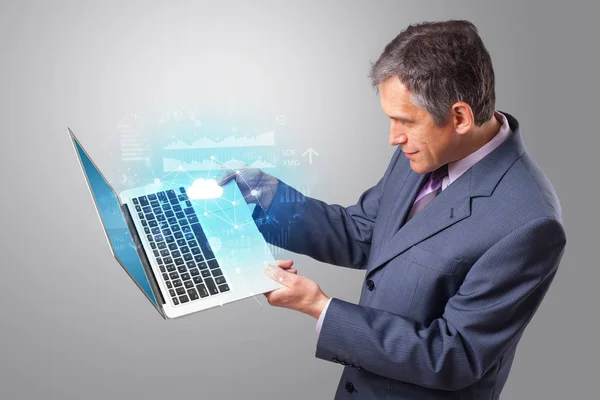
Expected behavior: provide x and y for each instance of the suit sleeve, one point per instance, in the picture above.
(488, 314)
(328, 233)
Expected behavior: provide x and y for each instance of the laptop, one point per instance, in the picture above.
(187, 243)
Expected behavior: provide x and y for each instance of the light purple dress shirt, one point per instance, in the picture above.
(456, 169)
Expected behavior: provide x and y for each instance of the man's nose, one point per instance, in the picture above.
(397, 138)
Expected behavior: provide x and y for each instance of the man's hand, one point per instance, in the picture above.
(256, 186)
(300, 293)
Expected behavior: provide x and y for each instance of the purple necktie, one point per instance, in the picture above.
(432, 187)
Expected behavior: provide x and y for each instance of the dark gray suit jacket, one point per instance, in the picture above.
(448, 294)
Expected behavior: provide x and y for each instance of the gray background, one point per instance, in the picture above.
(74, 326)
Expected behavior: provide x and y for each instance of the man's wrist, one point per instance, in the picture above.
(318, 306)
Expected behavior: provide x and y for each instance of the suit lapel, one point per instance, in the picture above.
(399, 209)
(452, 205)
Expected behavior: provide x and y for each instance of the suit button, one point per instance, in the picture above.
(370, 284)
(349, 387)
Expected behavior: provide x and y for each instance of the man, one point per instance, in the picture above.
(460, 239)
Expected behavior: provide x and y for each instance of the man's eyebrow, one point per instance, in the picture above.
(401, 119)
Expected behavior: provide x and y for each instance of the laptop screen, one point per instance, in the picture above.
(114, 223)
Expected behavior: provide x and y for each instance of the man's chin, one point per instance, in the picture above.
(418, 168)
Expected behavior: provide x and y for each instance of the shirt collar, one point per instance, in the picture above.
(459, 167)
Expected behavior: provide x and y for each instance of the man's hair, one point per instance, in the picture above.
(441, 63)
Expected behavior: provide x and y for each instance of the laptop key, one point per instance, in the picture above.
(176, 254)
(184, 249)
(205, 273)
(174, 275)
(198, 258)
(185, 276)
(192, 219)
(213, 264)
(190, 264)
(169, 285)
(180, 290)
(202, 290)
(153, 245)
(193, 294)
(177, 283)
(196, 250)
(152, 196)
(172, 246)
(152, 223)
(154, 204)
(171, 267)
(188, 257)
(178, 261)
(135, 201)
(183, 299)
(217, 272)
(165, 277)
(161, 196)
(194, 272)
(189, 211)
(220, 280)
(210, 284)
(188, 284)
(144, 222)
(164, 253)
(175, 301)
(147, 209)
(155, 231)
(144, 201)
(156, 253)
(172, 293)
(168, 260)
(197, 280)
(138, 208)
(223, 288)
(171, 194)
(141, 215)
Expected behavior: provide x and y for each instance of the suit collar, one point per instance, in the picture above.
(452, 205)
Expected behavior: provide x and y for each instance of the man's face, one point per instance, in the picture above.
(426, 145)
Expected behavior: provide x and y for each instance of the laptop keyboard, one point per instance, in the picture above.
(183, 254)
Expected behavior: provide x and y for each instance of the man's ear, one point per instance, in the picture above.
(462, 117)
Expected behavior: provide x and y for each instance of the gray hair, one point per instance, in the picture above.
(440, 63)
